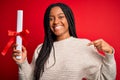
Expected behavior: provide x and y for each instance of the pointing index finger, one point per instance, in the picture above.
(89, 44)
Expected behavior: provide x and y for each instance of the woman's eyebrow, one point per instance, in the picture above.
(60, 13)
(57, 14)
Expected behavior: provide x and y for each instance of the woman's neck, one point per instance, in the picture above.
(62, 37)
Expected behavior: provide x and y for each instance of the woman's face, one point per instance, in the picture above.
(58, 23)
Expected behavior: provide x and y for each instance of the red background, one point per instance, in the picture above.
(94, 19)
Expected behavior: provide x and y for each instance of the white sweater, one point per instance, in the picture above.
(72, 59)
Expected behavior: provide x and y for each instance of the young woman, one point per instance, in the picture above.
(63, 56)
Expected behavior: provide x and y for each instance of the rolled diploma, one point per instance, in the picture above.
(19, 29)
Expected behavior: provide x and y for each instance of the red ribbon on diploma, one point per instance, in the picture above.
(13, 34)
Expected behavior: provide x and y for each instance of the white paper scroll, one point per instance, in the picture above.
(19, 29)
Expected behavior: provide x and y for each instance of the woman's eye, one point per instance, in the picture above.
(60, 17)
(50, 19)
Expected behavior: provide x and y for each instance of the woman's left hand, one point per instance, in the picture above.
(102, 45)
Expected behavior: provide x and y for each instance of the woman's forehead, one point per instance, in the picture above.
(56, 10)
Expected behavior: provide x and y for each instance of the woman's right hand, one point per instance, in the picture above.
(22, 53)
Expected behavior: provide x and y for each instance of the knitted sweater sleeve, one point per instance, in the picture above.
(108, 68)
(26, 70)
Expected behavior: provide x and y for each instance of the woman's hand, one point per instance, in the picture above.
(102, 45)
(22, 53)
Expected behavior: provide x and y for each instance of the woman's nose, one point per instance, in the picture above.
(56, 21)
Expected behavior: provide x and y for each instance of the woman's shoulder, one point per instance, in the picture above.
(38, 48)
(39, 45)
(82, 40)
